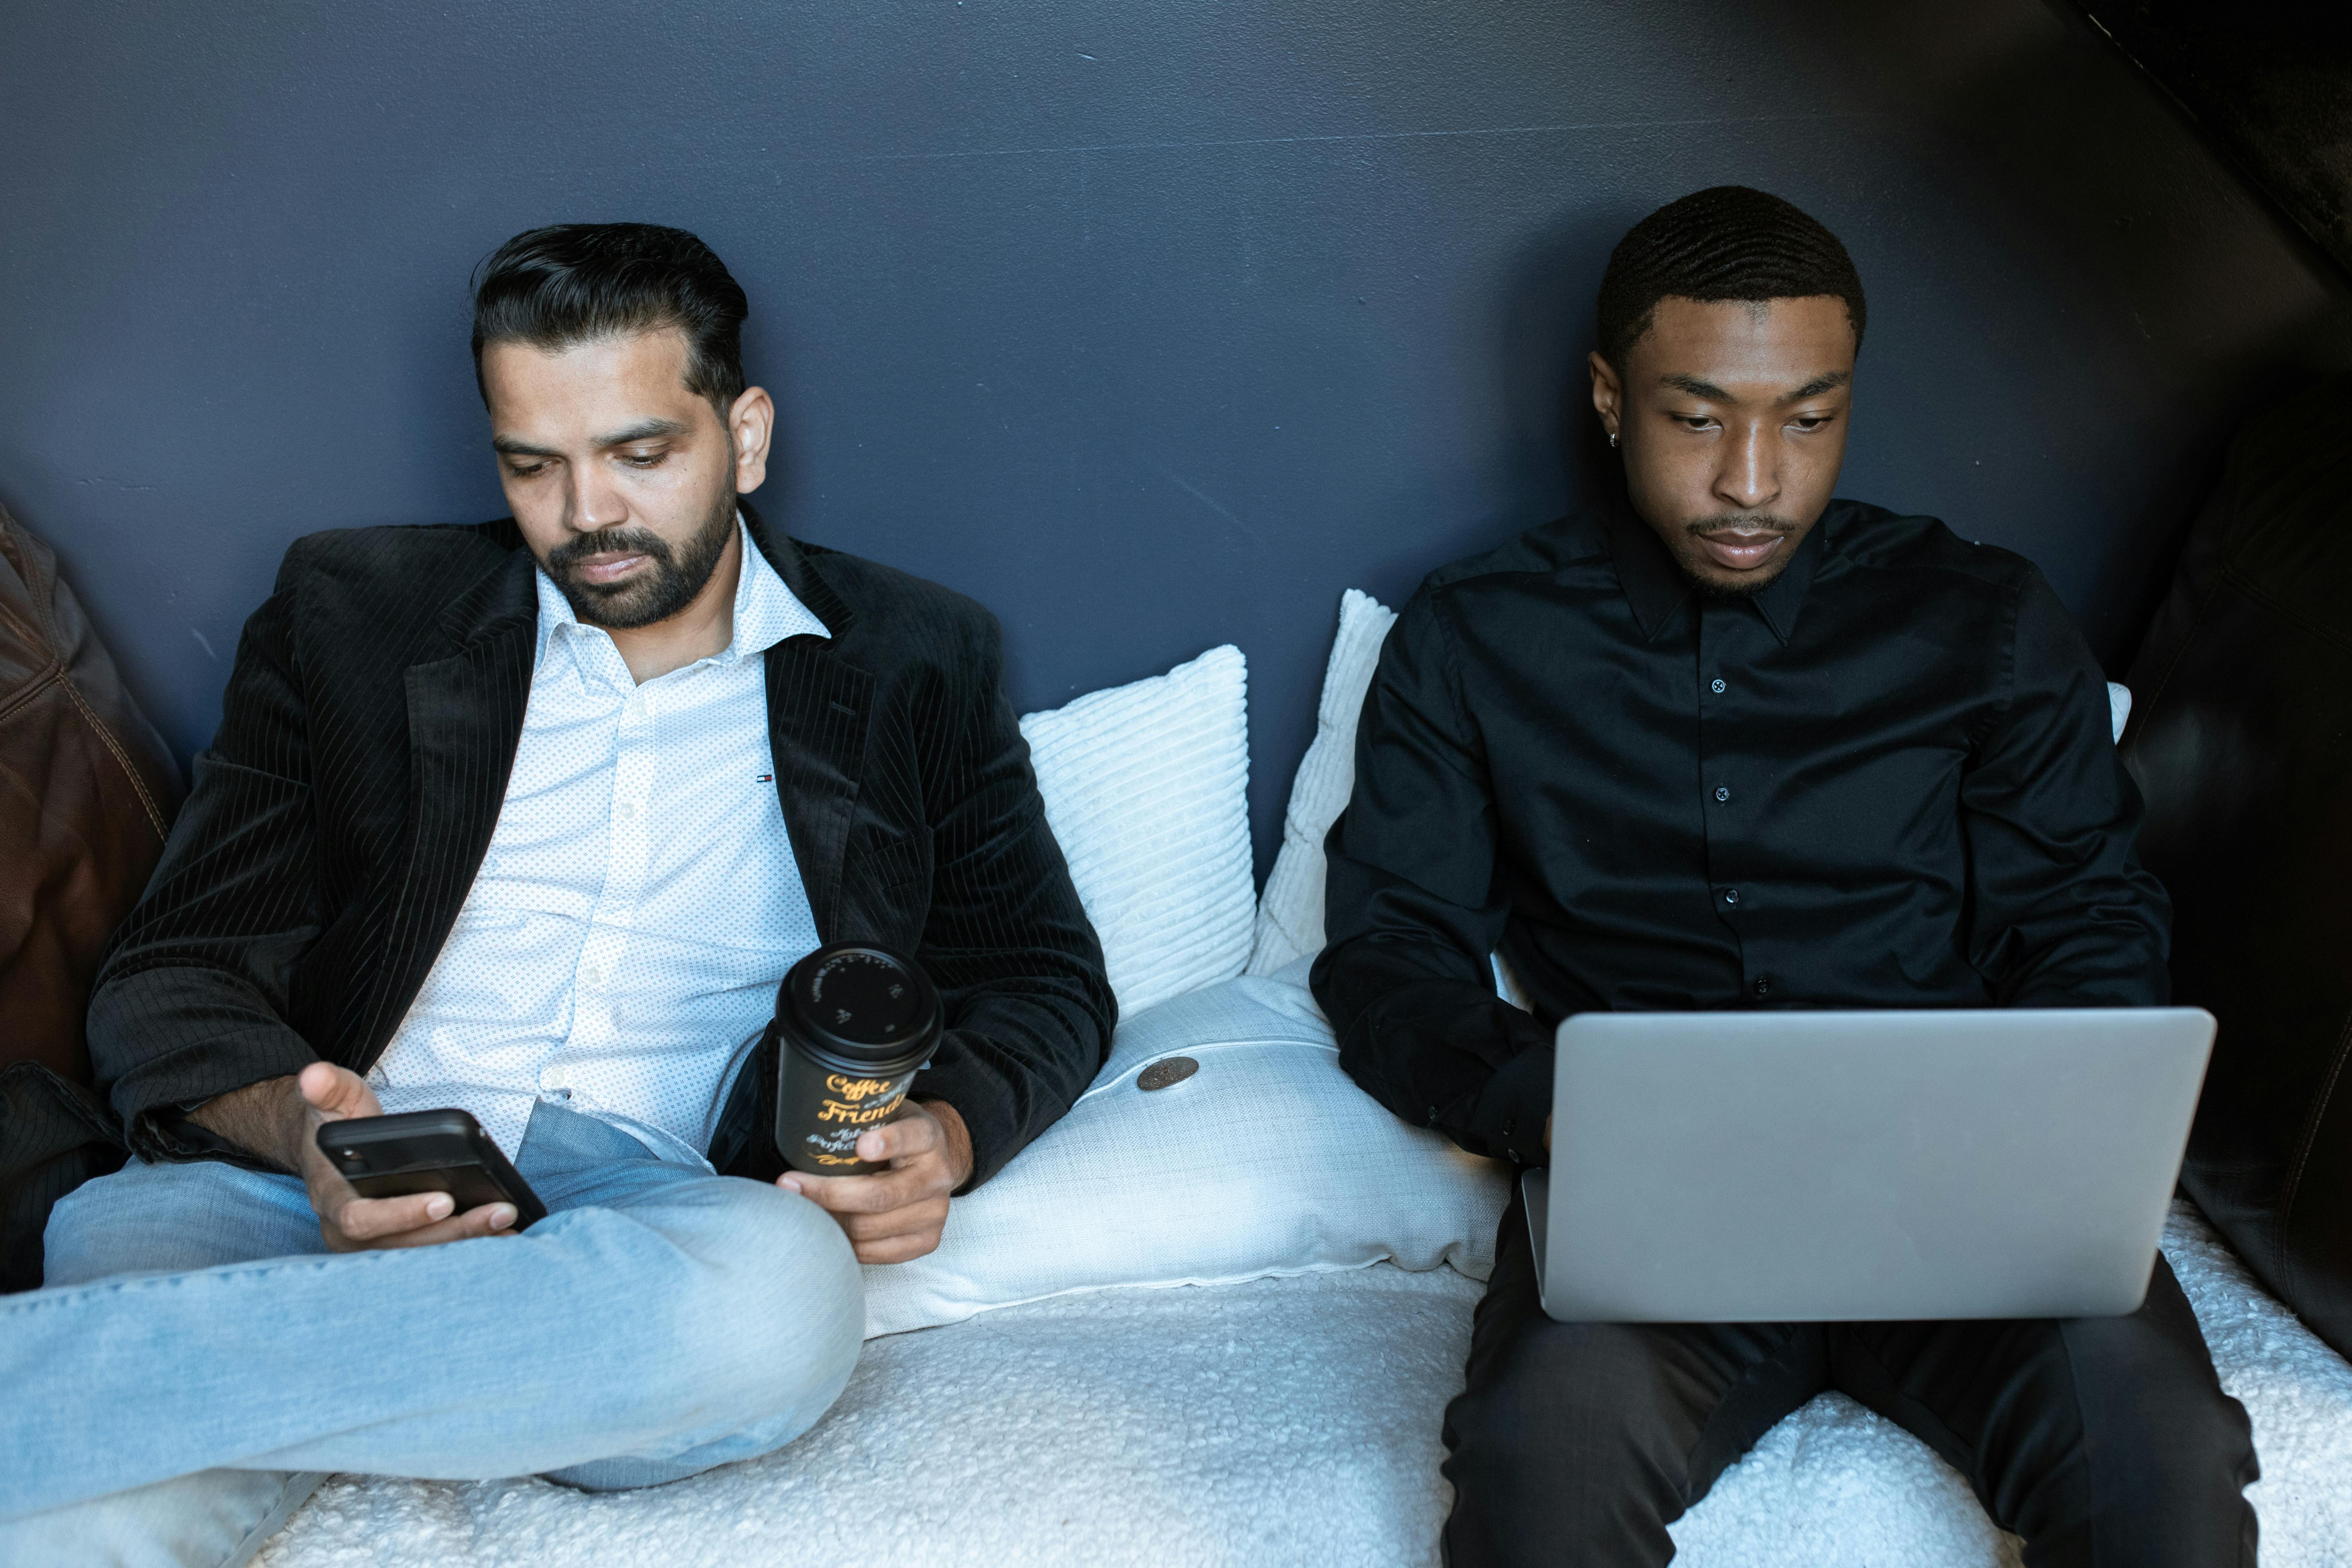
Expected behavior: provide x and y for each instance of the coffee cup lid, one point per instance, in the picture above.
(861, 1001)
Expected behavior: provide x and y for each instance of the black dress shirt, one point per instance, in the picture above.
(1886, 781)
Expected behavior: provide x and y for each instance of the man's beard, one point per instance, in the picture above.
(1745, 587)
(640, 600)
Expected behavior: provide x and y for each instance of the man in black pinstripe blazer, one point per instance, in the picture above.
(417, 862)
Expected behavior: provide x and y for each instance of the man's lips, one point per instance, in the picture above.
(1739, 549)
(609, 567)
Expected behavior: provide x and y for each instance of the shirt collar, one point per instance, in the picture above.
(1658, 588)
(766, 610)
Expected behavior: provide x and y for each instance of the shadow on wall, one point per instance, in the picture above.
(1545, 331)
(1535, 328)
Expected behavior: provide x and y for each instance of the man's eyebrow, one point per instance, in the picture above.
(1697, 388)
(1707, 389)
(644, 431)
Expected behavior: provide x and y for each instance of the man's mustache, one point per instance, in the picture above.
(611, 542)
(1741, 521)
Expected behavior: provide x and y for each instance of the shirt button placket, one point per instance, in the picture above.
(1715, 642)
(626, 849)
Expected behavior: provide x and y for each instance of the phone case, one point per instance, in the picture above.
(428, 1152)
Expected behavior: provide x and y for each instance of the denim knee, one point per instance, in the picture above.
(175, 1216)
(777, 1306)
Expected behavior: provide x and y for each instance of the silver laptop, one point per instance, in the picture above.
(1744, 1167)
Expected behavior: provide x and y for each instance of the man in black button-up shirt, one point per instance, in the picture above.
(1725, 742)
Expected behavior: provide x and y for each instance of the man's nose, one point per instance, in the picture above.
(1749, 477)
(595, 501)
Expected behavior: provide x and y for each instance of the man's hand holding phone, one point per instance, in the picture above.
(279, 1119)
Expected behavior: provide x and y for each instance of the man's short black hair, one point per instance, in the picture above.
(573, 283)
(1723, 243)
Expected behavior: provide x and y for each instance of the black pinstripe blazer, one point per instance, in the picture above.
(340, 815)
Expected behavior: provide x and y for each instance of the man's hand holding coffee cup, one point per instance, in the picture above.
(896, 1215)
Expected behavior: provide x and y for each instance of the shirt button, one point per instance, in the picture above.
(1716, 686)
(1722, 792)
(1730, 895)
(1763, 985)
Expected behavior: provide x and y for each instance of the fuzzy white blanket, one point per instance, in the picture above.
(1285, 1421)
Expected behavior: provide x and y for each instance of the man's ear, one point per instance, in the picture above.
(1608, 395)
(752, 426)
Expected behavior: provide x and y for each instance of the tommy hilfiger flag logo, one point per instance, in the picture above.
(765, 778)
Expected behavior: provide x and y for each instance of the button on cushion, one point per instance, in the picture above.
(1266, 1159)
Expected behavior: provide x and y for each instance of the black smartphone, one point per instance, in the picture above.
(428, 1152)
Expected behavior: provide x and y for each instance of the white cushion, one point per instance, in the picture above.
(1147, 789)
(1290, 915)
(1267, 1161)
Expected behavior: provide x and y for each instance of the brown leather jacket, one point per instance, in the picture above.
(86, 794)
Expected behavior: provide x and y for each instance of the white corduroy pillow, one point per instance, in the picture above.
(1290, 915)
(1266, 1160)
(1147, 787)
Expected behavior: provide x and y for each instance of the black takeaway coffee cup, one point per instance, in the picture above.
(853, 1024)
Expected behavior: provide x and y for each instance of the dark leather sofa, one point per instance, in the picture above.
(2241, 742)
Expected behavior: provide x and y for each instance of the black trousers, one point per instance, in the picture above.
(2102, 1441)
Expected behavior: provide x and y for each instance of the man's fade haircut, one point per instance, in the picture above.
(1726, 242)
(572, 283)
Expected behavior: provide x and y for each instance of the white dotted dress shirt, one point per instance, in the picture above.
(619, 951)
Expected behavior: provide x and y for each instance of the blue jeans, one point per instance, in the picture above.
(196, 1360)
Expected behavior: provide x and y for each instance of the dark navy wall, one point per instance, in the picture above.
(1150, 326)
